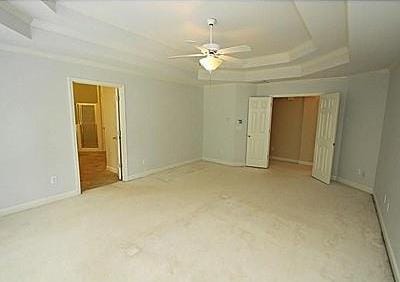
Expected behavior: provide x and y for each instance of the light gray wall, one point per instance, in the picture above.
(244, 91)
(164, 125)
(388, 171)
(362, 127)
(218, 133)
(224, 140)
(307, 86)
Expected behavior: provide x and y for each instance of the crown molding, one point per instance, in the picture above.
(333, 59)
(94, 64)
(298, 52)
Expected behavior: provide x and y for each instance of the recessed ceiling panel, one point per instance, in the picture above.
(267, 26)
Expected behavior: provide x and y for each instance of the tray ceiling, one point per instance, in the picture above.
(290, 39)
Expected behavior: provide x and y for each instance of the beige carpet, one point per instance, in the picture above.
(200, 222)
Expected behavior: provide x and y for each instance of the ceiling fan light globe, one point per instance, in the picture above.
(210, 63)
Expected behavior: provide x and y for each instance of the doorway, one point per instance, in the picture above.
(319, 130)
(97, 124)
(293, 129)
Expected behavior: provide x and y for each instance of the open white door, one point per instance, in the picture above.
(325, 137)
(258, 131)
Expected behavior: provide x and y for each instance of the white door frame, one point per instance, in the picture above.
(122, 124)
(308, 95)
(311, 94)
(296, 95)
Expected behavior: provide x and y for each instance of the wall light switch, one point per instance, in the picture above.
(53, 180)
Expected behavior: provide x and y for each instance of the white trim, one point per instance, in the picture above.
(224, 162)
(112, 169)
(121, 91)
(87, 62)
(335, 58)
(73, 135)
(37, 203)
(297, 95)
(155, 170)
(306, 163)
(390, 251)
(353, 184)
(293, 81)
(291, 161)
(122, 131)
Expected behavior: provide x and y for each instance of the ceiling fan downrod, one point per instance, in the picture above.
(211, 22)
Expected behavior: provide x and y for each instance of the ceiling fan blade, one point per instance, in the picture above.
(234, 49)
(228, 58)
(189, 41)
(186, 56)
(202, 49)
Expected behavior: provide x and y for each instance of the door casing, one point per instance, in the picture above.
(308, 95)
(122, 126)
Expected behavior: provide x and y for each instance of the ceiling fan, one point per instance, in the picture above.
(213, 55)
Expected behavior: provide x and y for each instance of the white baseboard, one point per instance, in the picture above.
(37, 203)
(290, 160)
(353, 184)
(392, 258)
(223, 162)
(112, 169)
(155, 170)
(306, 163)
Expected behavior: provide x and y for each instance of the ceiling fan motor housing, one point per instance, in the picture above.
(211, 21)
(211, 47)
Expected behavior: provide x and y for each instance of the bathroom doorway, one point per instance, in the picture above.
(97, 122)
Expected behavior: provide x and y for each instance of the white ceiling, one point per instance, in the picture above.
(289, 39)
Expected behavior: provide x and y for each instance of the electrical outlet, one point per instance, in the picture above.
(53, 180)
(387, 208)
(384, 199)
